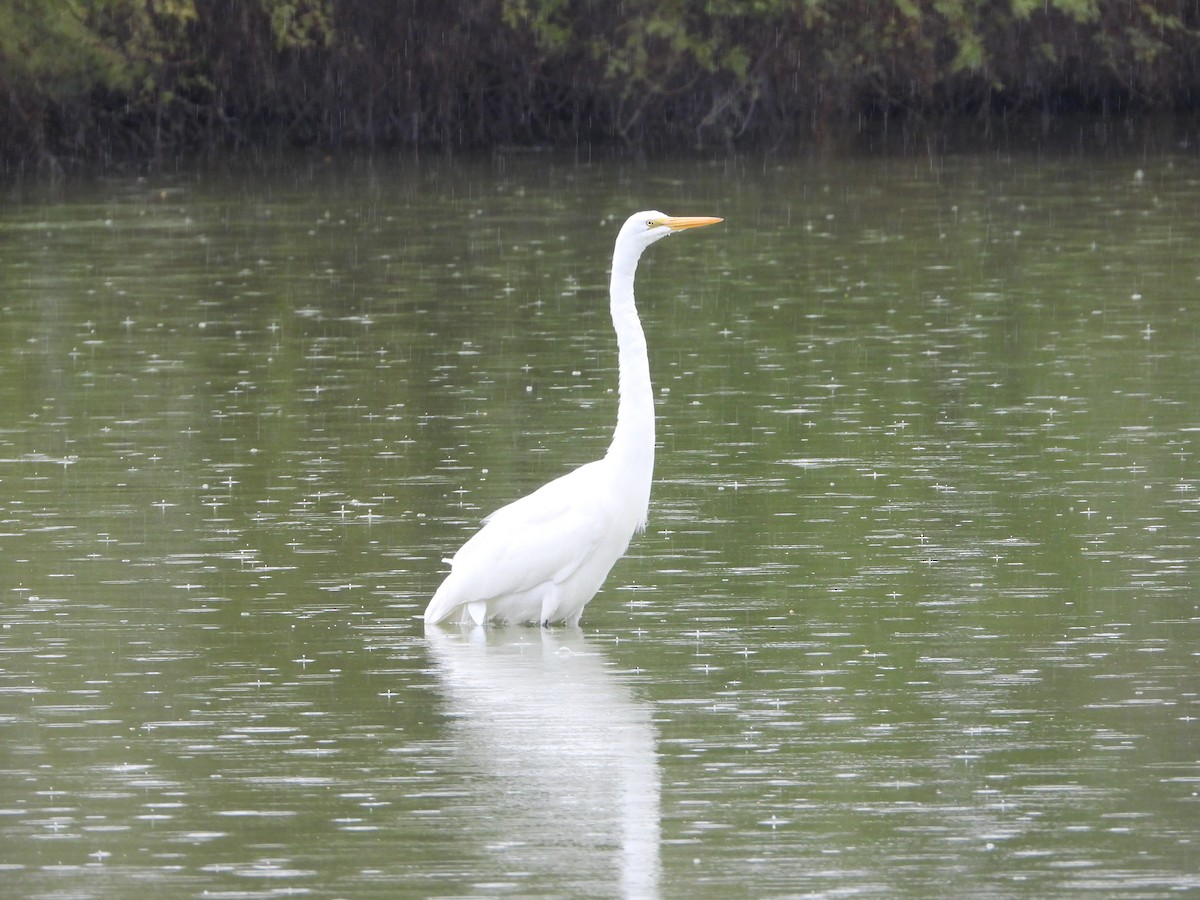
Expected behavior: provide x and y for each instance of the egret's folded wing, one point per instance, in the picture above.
(544, 537)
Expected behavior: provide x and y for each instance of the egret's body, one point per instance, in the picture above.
(543, 557)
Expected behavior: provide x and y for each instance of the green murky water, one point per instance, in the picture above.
(916, 613)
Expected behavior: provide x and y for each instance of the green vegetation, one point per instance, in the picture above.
(101, 81)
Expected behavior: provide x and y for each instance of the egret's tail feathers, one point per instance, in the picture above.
(441, 607)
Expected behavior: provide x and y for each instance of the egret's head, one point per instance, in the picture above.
(644, 228)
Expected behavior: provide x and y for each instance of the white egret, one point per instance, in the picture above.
(540, 559)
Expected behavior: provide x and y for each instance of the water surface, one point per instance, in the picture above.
(915, 613)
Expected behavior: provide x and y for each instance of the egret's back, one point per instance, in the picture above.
(543, 557)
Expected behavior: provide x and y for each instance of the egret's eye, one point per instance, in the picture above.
(650, 223)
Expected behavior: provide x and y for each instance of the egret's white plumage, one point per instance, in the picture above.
(543, 557)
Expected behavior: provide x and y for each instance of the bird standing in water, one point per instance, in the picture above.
(540, 559)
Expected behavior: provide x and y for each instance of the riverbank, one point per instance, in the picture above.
(118, 83)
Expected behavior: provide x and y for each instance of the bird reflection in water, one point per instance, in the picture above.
(559, 759)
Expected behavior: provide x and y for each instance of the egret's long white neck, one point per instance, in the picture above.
(632, 447)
